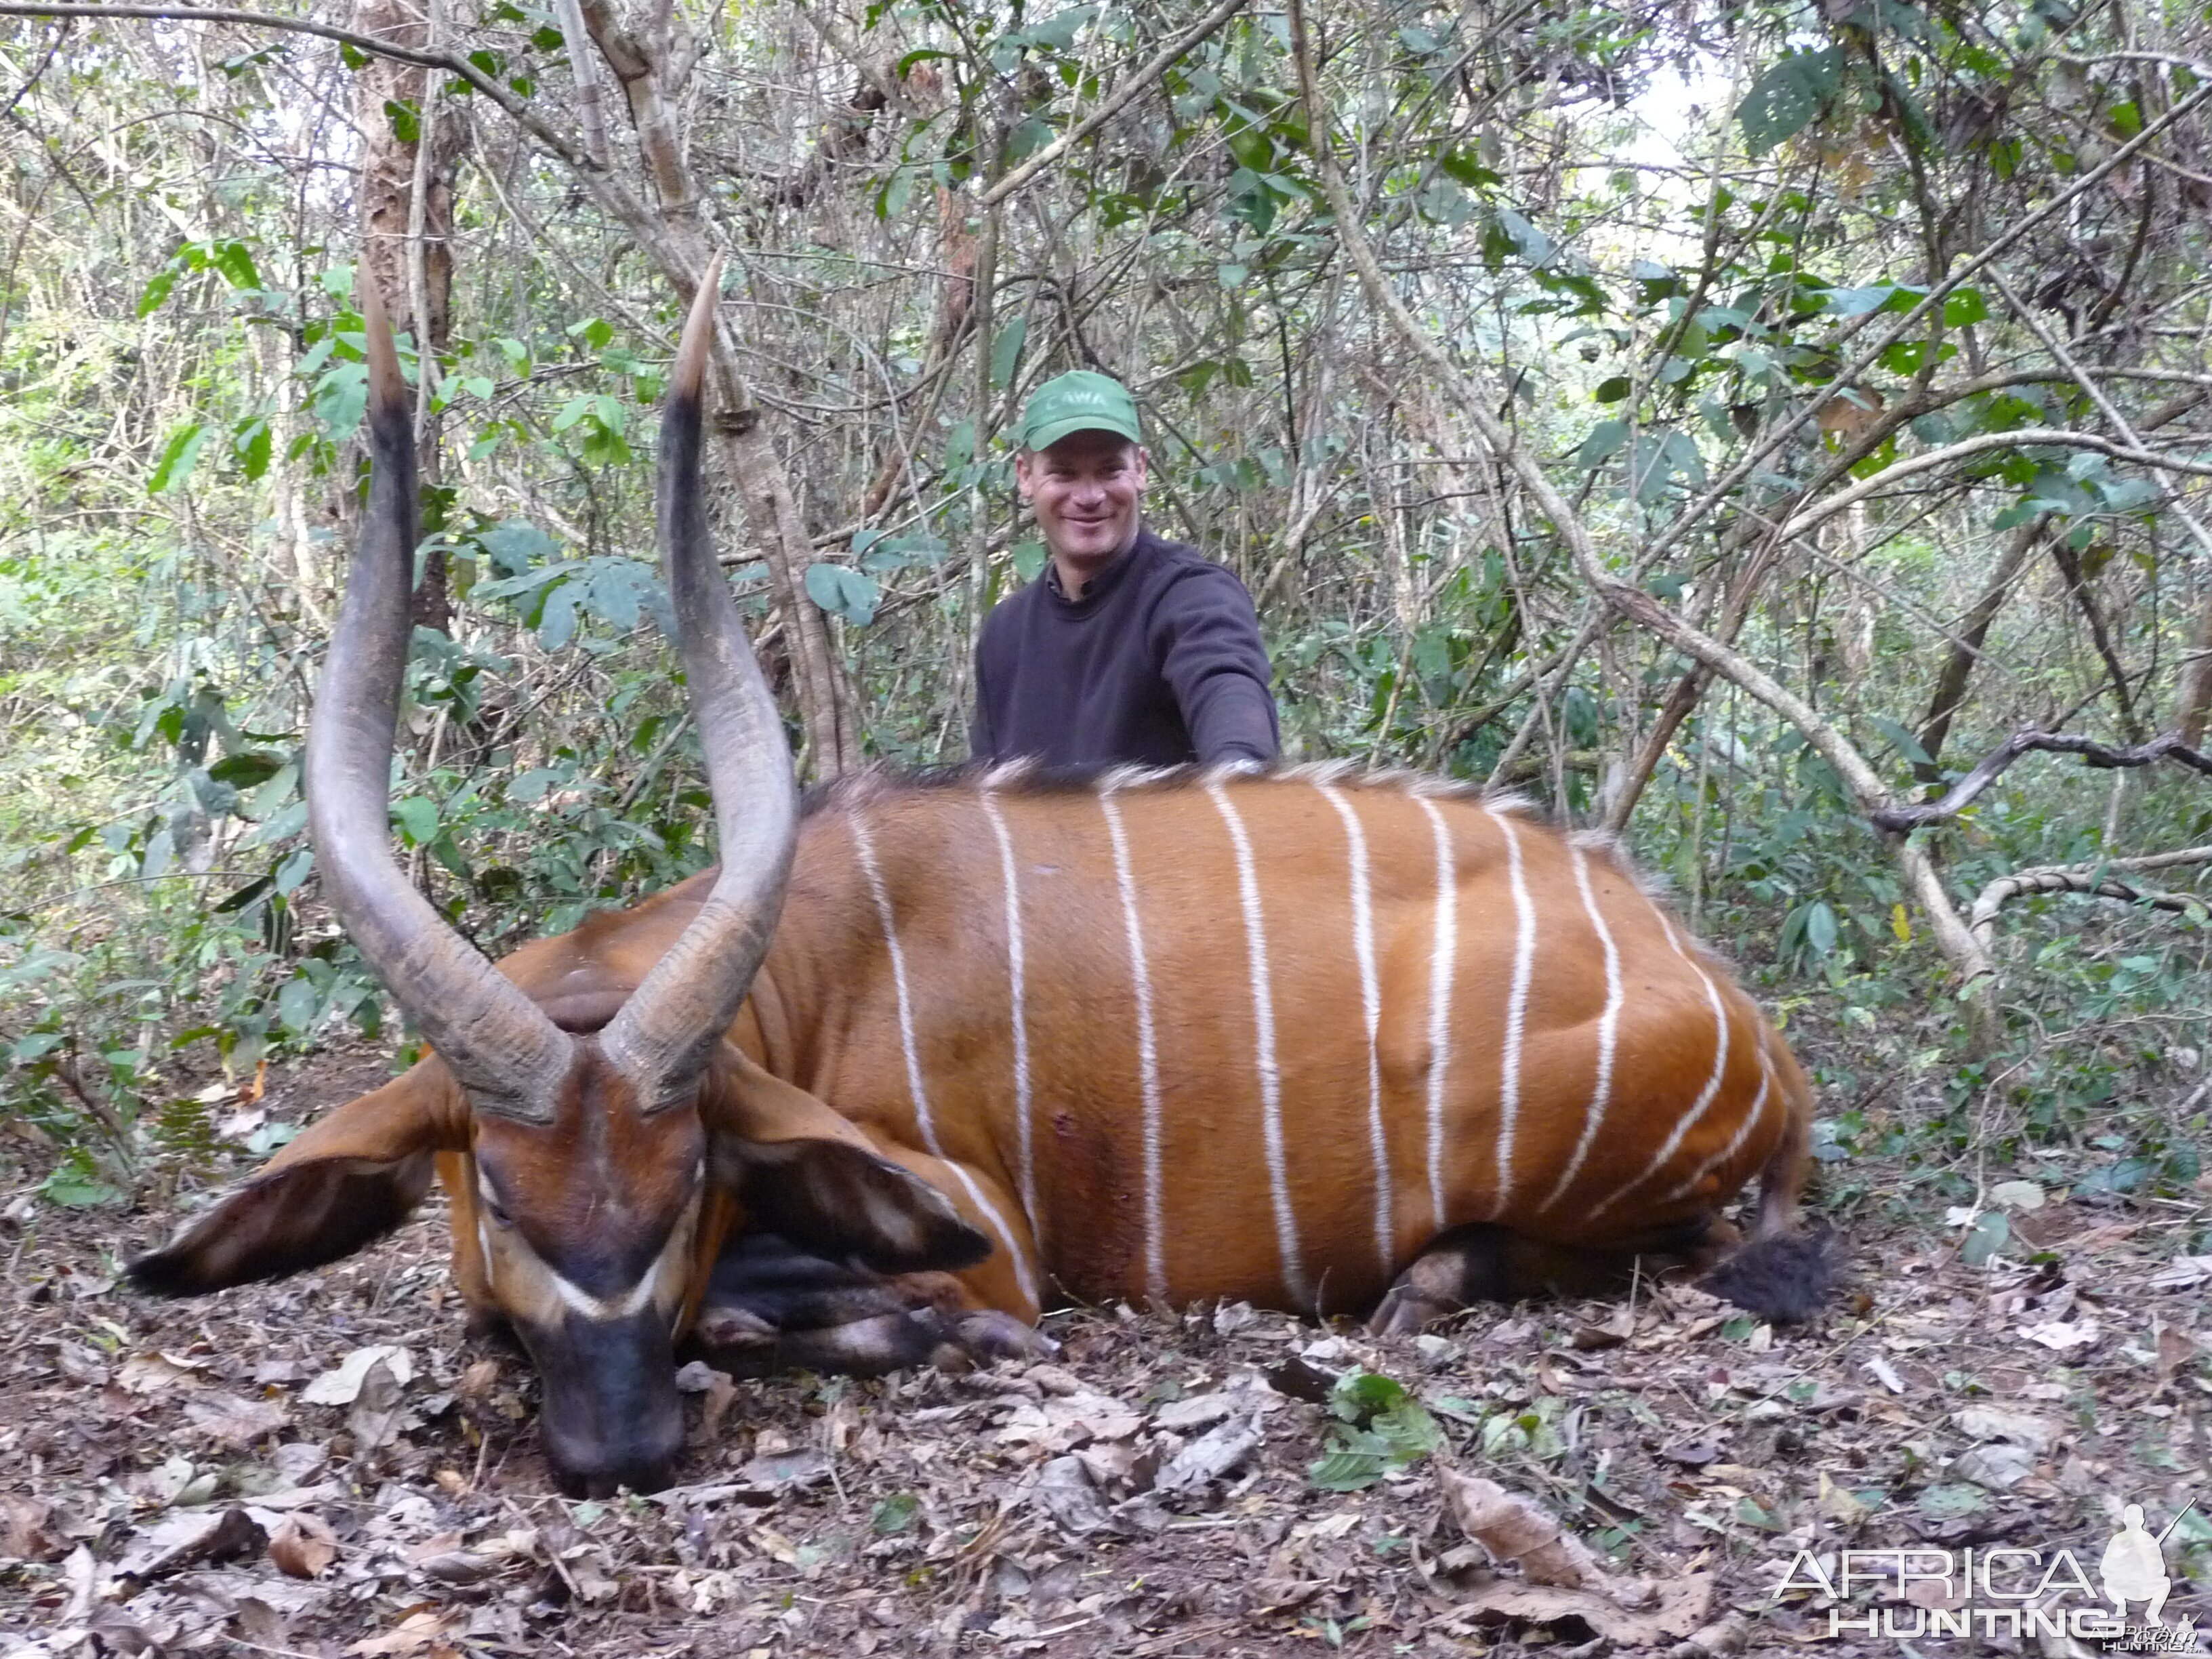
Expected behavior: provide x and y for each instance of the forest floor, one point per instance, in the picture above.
(211, 1476)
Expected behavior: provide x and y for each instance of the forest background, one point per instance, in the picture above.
(1726, 423)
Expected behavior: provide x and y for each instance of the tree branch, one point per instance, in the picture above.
(2102, 755)
(451, 63)
(1850, 371)
(2030, 437)
(1117, 101)
(2096, 878)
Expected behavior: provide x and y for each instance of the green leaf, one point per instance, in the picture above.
(178, 456)
(340, 398)
(418, 818)
(298, 1004)
(1751, 1515)
(1989, 1236)
(1612, 390)
(1902, 740)
(1789, 96)
(556, 619)
(247, 769)
(1606, 441)
(1359, 1395)
(72, 1190)
(235, 262)
(1345, 1471)
(250, 443)
(842, 591)
(1857, 301)
(1949, 1502)
(157, 291)
(1027, 139)
(1820, 927)
(1963, 305)
(1530, 243)
(514, 545)
(1466, 167)
(1660, 456)
(1029, 560)
(894, 1514)
(1006, 351)
(406, 118)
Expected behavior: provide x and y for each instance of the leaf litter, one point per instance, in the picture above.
(328, 1466)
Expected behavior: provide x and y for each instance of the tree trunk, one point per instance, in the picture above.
(1966, 647)
(406, 203)
(2077, 584)
(649, 68)
(2195, 696)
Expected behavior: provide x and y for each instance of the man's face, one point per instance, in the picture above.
(1085, 490)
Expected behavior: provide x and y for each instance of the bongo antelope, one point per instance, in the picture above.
(922, 1057)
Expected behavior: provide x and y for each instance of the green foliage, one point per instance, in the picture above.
(1378, 1428)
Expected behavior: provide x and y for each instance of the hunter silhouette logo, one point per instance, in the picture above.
(2134, 1567)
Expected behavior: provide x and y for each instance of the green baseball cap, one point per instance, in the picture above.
(1078, 401)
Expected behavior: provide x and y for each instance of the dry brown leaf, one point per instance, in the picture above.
(185, 1540)
(1680, 1612)
(1519, 1531)
(158, 1373)
(414, 1633)
(2176, 1348)
(235, 1422)
(341, 1384)
(374, 1419)
(436, 1544)
(477, 1381)
(303, 1546)
(25, 1536)
(721, 1395)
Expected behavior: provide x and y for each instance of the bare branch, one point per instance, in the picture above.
(452, 62)
(1848, 374)
(1116, 101)
(2102, 755)
(2030, 437)
(2100, 877)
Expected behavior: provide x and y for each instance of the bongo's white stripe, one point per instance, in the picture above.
(915, 1088)
(1148, 1062)
(1608, 1030)
(1022, 1133)
(1271, 1081)
(1690, 1119)
(1516, 1012)
(1719, 1159)
(1370, 1003)
(1441, 957)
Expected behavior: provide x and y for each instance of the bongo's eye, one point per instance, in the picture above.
(492, 1208)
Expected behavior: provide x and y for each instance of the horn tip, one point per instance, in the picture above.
(689, 374)
(387, 389)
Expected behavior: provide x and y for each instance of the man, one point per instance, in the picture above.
(1130, 647)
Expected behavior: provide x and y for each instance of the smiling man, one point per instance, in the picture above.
(1130, 649)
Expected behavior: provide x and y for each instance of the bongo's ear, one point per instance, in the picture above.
(349, 1179)
(802, 1172)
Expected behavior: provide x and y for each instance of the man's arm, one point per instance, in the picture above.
(982, 742)
(1216, 666)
